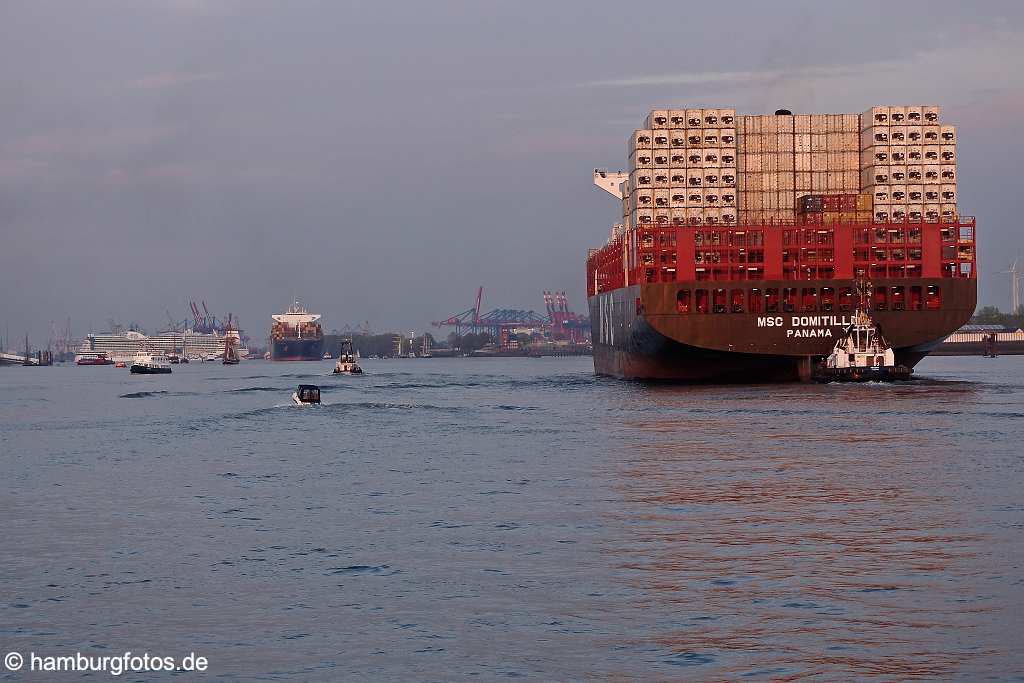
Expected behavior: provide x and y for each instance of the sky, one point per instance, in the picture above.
(381, 160)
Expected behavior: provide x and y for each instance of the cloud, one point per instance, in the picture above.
(171, 80)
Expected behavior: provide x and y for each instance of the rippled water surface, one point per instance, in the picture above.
(446, 519)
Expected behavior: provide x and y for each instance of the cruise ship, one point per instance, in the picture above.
(189, 343)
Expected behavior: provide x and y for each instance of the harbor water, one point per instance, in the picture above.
(445, 519)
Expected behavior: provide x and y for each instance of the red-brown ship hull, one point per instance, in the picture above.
(639, 334)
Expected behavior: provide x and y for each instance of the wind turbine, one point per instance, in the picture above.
(1014, 272)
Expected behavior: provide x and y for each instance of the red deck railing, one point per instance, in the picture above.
(785, 250)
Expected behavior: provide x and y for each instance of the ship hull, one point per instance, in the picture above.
(638, 334)
(296, 349)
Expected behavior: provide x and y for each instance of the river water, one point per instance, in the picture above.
(445, 519)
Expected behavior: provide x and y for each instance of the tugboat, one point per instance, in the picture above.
(306, 394)
(347, 364)
(861, 353)
(148, 364)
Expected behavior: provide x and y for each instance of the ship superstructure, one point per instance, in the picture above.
(743, 237)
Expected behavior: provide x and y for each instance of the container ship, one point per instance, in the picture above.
(747, 243)
(296, 335)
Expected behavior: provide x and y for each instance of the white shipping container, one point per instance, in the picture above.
(802, 162)
(661, 139)
(819, 142)
(915, 134)
(947, 135)
(851, 182)
(727, 177)
(931, 193)
(727, 215)
(644, 158)
(876, 116)
(898, 194)
(711, 137)
(710, 118)
(915, 194)
(658, 118)
(915, 174)
(695, 216)
(897, 154)
(643, 199)
(931, 212)
(678, 216)
(947, 193)
(882, 212)
(819, 124)
(677, 138)
(677, 118)
(711, 177)
(947, 173)
(727, 117)
(802, 124)
(784, 124)
(677, 158)
(712, 196)
(662, 198)
(694, 138)
(947, 211)
(642, 139)
(662, 216)
(694, 158)
(728, 157)
(677, 177)
(728, 196)
(712, 216)
(727, 137)
(880, 154)
(947, 154)
(802, 142)
(642, 178)
(694, 177)
(914, 115)
(898, 135)
(931, 114)
(897, 115)
(931, 154)
(750, 144)
(694, 197)
(694, 118)
(898, 212)
(898, 174)
(661, 158)
(661, 176)
(874, 175)
(642, 217)
(712, 158)
(677, 198)
(915, 154)
(932, 134)
(932, 175)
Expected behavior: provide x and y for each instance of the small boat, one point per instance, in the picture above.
(347, 364)
(120, 364)
(90, 358)
(327, 355)
(173, 358)
(147, 364)
(306, 394)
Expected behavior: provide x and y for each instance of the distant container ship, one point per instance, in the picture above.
(296, 335)
(744, 240)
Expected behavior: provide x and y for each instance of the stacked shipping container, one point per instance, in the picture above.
(682, 169)
(708, 166)
(908, 163)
